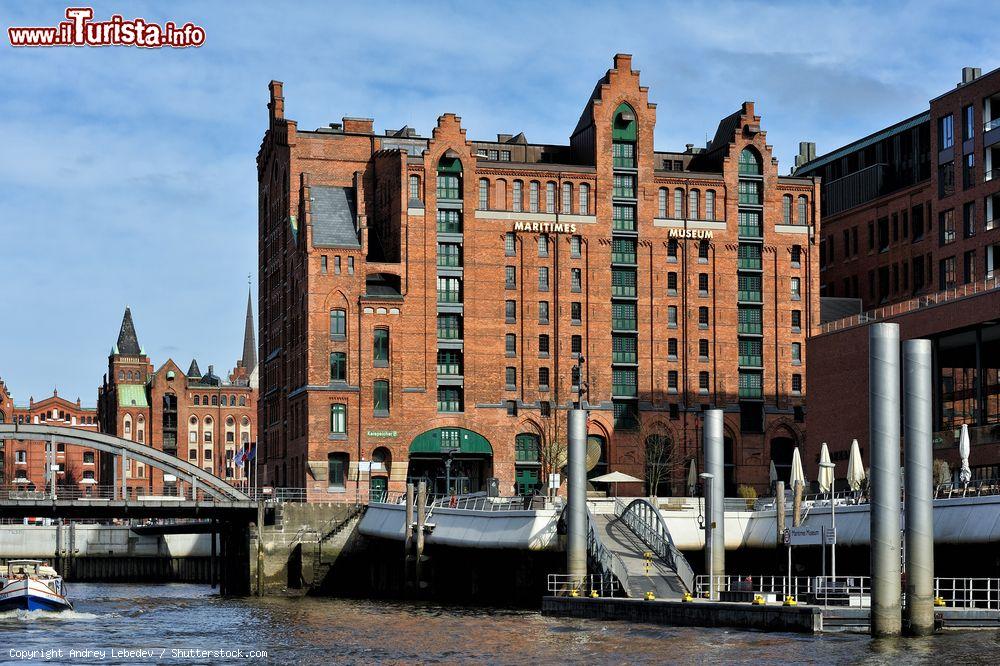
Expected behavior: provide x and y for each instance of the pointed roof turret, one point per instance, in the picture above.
(249, 360)
(194, 370)
(128, 343)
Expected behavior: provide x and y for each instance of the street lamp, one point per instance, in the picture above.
(833, 518)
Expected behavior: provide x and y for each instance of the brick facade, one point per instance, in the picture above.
(200, 417)
(361, 233)
(925, 256)
(23, 463)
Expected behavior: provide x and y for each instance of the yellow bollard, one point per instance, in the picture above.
(758, 600)
(790, 601)
(650, 596)
(687, 597)
(574, 593)
(593, 594)
(938, 601)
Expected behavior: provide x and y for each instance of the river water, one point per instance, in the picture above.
(122, 619)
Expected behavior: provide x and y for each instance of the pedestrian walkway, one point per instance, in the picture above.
(656, 577)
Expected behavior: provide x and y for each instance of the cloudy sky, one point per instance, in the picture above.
(127, 176)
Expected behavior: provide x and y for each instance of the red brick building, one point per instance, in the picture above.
(23, 463)
(200, 417)
(910, 228)
(426, 299)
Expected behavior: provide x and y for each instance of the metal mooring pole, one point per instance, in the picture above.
(576, 506)
(883, 437)
(919, 481)
(708, 490)
(715, 465)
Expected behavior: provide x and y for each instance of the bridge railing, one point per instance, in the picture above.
(476, 502)
(103, 493)
(565, 585)
(646, 522)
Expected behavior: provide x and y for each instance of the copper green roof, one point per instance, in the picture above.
(132, 395)
(467, 440)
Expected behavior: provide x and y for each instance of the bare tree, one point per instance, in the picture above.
(664, 460)
(553, 448)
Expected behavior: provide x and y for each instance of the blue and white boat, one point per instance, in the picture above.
(32, 585)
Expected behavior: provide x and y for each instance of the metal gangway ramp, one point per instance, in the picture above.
(635, 546)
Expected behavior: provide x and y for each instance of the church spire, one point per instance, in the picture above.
(249, 360)
(128, 342)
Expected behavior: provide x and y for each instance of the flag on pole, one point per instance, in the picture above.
(251, 452)
(239, 458)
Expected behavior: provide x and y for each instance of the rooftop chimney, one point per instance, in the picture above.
(807, 153)
(688, 147)
(970, 74)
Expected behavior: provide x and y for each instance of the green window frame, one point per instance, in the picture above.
(449, 362)
(527, 448)
(751, 352)
(449, 400)
(449, 255)
(624, 186)
(338, 323)
(624, 349)
(626, 415)
(380, 347)
(623, 250)
(623, 282)
(624, 382)
(449, 290)
(749, 224)
(751, 385)
(749, 257)
(337, 464)
(750, 192)
(449, 327)
(750, 164)
(338, 418)
(623, 218)
(623, 154)
(749, 288)
(338, 367)
(449, 222)
(750, 320)
(380, 397)
(623, 316)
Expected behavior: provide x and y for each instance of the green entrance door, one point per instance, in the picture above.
(526, 480)
(379, 489)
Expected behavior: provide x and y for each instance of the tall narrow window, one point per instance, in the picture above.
(796, 289)
(414, 188)
(380, 346)
(380, 397)
(533, 196)
(550, 197)
(662, 208)
(510, 277)
(678, 203)
(584, 199)
(543, 278)
(543, 245)
(518, 196)
(338, 323)
(786, 209)
(575, 279)
(510, 344)
(693, 204)
(749, 162)
(484, 194)
(509, 244)
(803, 210)
(338, 367)
(710, 204)
(338, 419)
(510, 311)
(567, 198)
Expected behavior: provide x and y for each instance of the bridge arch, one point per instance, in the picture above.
(170, 464)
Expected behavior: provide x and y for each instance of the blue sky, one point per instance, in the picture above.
(128, 176)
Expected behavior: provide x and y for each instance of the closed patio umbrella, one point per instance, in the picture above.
(965, 475)
(825, 477)
(772, 474)
(692, 480)
(798, 474)
(855, 468)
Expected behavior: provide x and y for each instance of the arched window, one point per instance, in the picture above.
(243, 401)
(127, 426)
(215, 400)
(786, 209)
(338, 323)
(750, 162)
(380, 347)
(662, 203)
(484, 194)
(709, 204)
(518, 196)
(678, 203)
(338, 367)
(623, 137)
(584, 199)
(197, 400)
(449, 178)
(337, 464)
(501, 195)
(803, 217)
(693, 204)
(204, 399)
(121, 375)
(567, 198)
(533, 196)
(338, 419)
(415, 188)
(140, 429)
(550, 197)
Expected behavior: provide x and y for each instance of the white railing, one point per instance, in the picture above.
(968, 592)
(991, 124)
(565, 585)
(913, 304)
(476, 502)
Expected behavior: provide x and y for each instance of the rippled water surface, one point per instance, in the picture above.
(315, 631)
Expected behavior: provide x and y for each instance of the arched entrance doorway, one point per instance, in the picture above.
(782, 447)
(380, 469)
(451, 460)
(597, 458)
